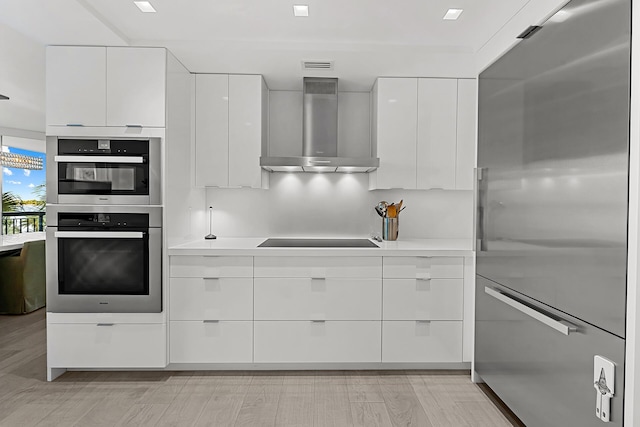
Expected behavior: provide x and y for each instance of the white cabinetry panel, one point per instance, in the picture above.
(136, 86)
(422, 268)
(224, 298)
(318, 267)
(117, 345)
(422, 342)
(330, 341)
(212, 130)
(211, 266)
(396, 130)
(211, 342)
(436, 141)
(466, 140)
(76, 85)
(324, 299)
(413, 299)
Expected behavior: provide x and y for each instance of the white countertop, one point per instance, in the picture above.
(248, 246)
(16, 241)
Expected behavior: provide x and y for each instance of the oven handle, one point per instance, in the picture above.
(99, 234)
(99, 159)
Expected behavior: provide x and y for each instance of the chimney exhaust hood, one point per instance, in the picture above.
(320, 135)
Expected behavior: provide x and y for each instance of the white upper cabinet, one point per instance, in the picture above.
(436, 142)
(136, 86)
(424, 132)
(466, 147)
(113, 86)
(231, 123)
(395, 124)
(247, 129)
(212, 130)
(76, 86)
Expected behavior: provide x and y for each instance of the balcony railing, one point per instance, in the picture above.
(22, 222)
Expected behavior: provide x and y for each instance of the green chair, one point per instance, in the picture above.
(22, 280)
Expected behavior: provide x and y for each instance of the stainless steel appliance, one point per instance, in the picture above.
(103, 171)
(104, 259)
(552, 218)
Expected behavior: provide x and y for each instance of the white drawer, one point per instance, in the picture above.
(317, 299)
(415, 299)
(211, 342)
(89, 345)
(331, 341)
(211, 266)
(422, 267)
(320, 267)
(226, 298)
(418, 341)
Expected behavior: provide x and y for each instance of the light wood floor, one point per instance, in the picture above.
(196, 398)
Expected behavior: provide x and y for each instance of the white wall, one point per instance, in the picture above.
(335, 205)
(22, 79)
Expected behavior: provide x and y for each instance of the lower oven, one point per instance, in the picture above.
(104, 259)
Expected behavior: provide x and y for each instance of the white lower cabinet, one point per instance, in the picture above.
(211, 342)
(415, 299)
(422, 341)
(106, 345)
(317, 299)
(224, 298)
(316, 342)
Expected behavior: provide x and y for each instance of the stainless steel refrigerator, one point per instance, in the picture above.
(553, 143)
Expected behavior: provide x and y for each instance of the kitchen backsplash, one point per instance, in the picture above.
(335, 205)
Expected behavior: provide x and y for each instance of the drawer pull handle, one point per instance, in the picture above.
(318, 278)
(105, 324)
(559, 325)
(423, 279)
(210, 321)
(317, 321)
(210, 278)
(423, 322)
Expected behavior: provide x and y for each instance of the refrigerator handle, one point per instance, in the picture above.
(479, 194)
(559, 325)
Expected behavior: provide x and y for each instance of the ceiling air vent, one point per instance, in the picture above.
(317, 65)
(529, 32)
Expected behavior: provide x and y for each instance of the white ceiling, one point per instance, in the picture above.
(365, 38)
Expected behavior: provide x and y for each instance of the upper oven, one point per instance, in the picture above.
(103, 171)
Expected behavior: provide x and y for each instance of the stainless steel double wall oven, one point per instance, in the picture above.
(104, 231)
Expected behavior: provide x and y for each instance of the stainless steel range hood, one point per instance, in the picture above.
(319, 135)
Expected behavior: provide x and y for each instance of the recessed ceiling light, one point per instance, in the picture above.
(145, 6)
(300, 10)
(452, 14)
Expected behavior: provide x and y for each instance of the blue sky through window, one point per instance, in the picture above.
(21, 182)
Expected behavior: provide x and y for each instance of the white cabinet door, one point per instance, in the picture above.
(76, 85)
(466, 141)
(136, 86)
(211, 342)
(413, 299)
(224, 298)
(211, 267)
(246, 130)
(436, 146)
(319, 299)
(117, 345)
(422, 267)
(422, 342)
(318, 267)
(396, 123)
(331, 341)
(212, 130)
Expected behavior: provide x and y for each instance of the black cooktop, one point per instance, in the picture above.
(317, 243)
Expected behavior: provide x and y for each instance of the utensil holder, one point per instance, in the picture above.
(390, 228)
